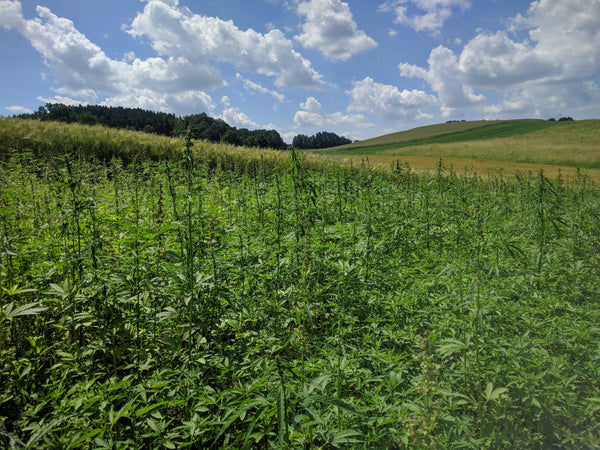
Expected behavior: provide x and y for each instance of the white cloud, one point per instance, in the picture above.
(444, 77)
(496, 61)
(386, 101)
(199, 39)
(288, 137)
(184, 102)
(61, 99)
(15, 109)
(234, 117)
(435, 12)
(312, 114)
(330, 28)
(84, 71)
(252, 86)
(176, 80)
(11, 15)
(552, 72)
(87, 95)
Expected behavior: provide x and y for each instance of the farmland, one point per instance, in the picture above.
(170, 293)
(487, 147)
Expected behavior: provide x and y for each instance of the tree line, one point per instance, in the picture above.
(200, 125)
(322, 139)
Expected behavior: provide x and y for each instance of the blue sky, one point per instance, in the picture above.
(357, 68)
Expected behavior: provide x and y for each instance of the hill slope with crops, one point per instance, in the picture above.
(487, 147)
(450, 132)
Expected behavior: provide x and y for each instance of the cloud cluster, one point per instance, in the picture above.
(234, 117)
(330, 28)
(175, 30)
(189, 47)
(312, 114)
(445, 78)
(388, 102)
(544, 62)
(434, 12)
(544, 74)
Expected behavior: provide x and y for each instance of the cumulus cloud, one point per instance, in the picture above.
(330, 28)
(550, 71)
(188, 47)
(184, 102)
(444, 77)
(433, 12)
(175, 30)
(496, 61)
(388, 102)
(312, 114)
(84, 71)
(233, 116)
(11, 15)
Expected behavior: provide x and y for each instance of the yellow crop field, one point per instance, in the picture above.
(570, 149)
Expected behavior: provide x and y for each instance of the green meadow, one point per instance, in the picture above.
(170, 293)
(444, 133)
(509, 147)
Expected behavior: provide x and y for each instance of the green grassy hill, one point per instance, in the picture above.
(443, 133)
(510, 147)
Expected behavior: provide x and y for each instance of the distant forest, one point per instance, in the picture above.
(200, 125)
(322, 139)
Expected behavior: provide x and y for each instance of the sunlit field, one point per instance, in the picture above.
(507, 148)
(166, 293)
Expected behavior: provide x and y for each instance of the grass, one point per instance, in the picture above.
(211, 298)
(442, 133)
(507, 147)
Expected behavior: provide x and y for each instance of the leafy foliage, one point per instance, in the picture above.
(322, 139)
(192, 301)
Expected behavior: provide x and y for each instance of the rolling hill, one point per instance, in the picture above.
(444, 132)
(508, 146)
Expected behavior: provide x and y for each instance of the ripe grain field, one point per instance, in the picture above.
(173, 294)
(487, 148)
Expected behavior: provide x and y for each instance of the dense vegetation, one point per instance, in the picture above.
(322, 139)
(200, 125)
(180, 299)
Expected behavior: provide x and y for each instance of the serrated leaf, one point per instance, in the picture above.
(319, 382)
(246, 406)
(334, 402)
(492, 394)
(16, 290)
(29, 309)
(345, 437)
(148, 408)
(452, 346)
(81, 441)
